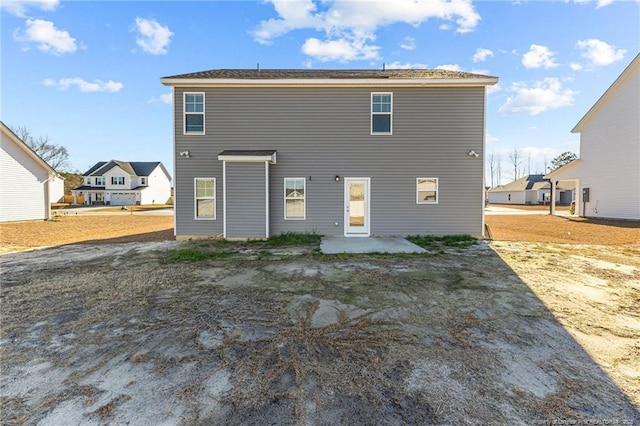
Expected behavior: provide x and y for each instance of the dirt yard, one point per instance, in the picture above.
(562, 229)
(507, 333)
(73, 228)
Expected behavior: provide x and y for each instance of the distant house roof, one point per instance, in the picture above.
(134, 168)
(531, 182)
(26, 148)
(272, 77)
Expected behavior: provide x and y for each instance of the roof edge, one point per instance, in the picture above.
(596, 106)
(328, 82)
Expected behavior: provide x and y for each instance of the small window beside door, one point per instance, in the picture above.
(427, 190)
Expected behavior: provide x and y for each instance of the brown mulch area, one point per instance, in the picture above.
(85, 229)
(559, 229)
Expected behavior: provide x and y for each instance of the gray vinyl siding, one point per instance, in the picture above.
(323, 132)
(246, 202)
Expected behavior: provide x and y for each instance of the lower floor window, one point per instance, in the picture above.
(205, 198)
(294, 198)
(427, 190)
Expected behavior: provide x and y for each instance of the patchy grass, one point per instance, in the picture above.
(432, 242)
(293, 239)
(193, 255)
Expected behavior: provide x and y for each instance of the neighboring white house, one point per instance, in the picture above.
(532, 189)
(28, 185)
(608, 170)
(123, 183)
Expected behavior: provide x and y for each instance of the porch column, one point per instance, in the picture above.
(553, 197)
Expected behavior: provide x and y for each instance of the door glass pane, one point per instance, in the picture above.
(356, 204)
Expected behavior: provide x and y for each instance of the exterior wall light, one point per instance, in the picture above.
(185, 154)
(337, 178)
(472, 153)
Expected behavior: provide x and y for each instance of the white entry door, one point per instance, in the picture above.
(356, 205)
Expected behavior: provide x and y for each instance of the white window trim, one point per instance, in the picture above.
(390, 113)
(113, 178)
(304, 198)
(184, 114)
(196, 198)
(418, 201)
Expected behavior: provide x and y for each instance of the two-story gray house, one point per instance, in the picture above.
(333, 152)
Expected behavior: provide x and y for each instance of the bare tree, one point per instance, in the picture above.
(546, 167)
(493, 160)
(515, 160)
(528, 163)
(56, 156)
(498, 169)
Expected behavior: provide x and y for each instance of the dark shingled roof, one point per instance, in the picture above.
(275, 74)
(134, 168)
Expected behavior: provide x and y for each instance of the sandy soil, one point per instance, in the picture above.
(508, 333)
(69, 229)
(561, 229)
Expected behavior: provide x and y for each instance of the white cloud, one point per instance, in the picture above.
(600, 52)
(599, 3)
(350, 26)
(339, 50)
(48, 38)
(575, 66)
(83, 85)
(449, 67)
(493, 89)
(152, 37)
(543, 95)
(19, 7)
(405, 66)
(408, 43)
(481, 55)
(538, 57)
(491, 139)
(167, 98)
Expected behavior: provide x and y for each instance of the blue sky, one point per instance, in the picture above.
(87, 74)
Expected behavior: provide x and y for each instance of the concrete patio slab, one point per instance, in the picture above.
(334, 245)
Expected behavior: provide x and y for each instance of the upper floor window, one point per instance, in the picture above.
(100, 181)
(88, 180)
(117, 180)
(194, 113)
(381, 113)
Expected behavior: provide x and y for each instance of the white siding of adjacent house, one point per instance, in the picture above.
(56, 189)
(610, 152)
(517, 197)
(158, 190)
(23, 184)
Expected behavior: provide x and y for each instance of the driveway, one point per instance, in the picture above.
(512, 333)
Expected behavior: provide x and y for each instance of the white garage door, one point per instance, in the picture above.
(122, 199)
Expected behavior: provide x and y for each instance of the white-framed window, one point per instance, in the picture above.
(100, 181)
(88, 181)
(194, 113)
(427, 190)
(295, 193)
(381, 113)
(205, 198)
(117, 180)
